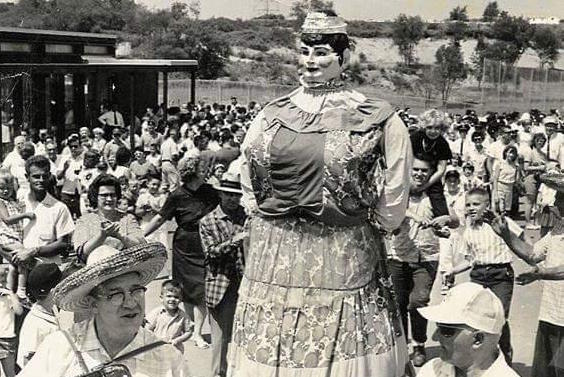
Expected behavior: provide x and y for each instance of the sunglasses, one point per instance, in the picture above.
(448, 331)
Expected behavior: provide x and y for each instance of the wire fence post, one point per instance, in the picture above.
(545, 88)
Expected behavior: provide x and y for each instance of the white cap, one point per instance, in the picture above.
(550, 120)
(469, 304)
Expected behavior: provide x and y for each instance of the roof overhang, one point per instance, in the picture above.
(96, 63)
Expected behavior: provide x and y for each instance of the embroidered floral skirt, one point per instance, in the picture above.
(315, 301)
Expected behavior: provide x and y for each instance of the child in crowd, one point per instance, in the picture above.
(40, 320)
(11, 231)
(168, 321)
(86, 176)
(450, 247)
(9, 307)
(468, 179)
(488, 255)
(505, 174)
(154, 156)
(149, 204)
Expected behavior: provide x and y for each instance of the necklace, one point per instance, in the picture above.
(429, 148)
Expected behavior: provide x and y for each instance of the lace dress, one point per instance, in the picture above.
(316, 298)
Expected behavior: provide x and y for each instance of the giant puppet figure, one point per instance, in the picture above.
(324, 177)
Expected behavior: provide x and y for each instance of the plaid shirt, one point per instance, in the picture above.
(224, 262)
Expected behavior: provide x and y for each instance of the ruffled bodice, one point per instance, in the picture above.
(322, 155)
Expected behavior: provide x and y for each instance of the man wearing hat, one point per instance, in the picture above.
(222, 240)
(111, 287)
(469, 323)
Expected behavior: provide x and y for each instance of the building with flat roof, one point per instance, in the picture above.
(59, 80)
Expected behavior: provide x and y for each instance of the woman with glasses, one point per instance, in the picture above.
(112, 286)
(105, 225)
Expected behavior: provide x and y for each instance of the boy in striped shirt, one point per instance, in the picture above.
(489, 255)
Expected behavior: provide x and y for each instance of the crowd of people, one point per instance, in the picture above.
(295, 233)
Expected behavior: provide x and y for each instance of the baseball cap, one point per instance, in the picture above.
(469, 304)
(43, 278)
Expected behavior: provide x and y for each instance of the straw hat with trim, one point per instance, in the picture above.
(105, 263)
(229, 183)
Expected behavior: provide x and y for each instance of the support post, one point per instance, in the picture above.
(132, 111)
(193, 87)
(165, 95)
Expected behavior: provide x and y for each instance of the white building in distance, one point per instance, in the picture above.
(551, 20)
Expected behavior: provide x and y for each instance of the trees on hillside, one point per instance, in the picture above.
(491, 12)
(546, 43)
(459, 14)
(406, 34)
(449, 68)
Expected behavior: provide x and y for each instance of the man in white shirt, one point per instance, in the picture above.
(48, 235)
(112, 118)
(14, 158)
(68, 170)
(469, 323)
(170, 154)
(555, 139)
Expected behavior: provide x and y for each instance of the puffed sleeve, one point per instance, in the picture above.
(392, 203)
(248, 200)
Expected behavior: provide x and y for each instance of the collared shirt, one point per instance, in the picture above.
(414, 243)
(169, 148)
(224, 264)
(112, 118)
(478, 160)
(439, 368)
(167, 327)
(482, 245)
(552, 301)
(112, 147)
(13, 160)
(71, 178)
(36, 326)
(53, 220)
(55, 357)
(7, 317)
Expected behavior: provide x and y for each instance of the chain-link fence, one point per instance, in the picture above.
(221, 91)
(521, 87)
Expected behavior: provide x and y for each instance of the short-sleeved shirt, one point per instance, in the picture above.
(141, 171)
(430, 150)
(36, 326)
(147, 140)
(168, 327)
(439, 368)
(481, 244)
(414, 243)
(7, 317)
(53, 220)
(552, 301)
(169, 148)
(56, 358)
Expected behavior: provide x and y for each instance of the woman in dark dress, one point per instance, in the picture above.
(187, 205)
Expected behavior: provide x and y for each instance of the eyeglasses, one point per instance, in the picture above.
(448, 331)
(117, 298)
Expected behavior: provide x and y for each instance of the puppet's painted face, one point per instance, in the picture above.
(318, 65)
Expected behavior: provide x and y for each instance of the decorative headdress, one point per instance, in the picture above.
(320, 23)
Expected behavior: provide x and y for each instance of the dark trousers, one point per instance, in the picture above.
(548, 360)
(413, 283)
(73, 203)
(436, 194)
(499, 279)
(221, 324)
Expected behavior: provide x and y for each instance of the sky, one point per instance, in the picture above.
(373, 9)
